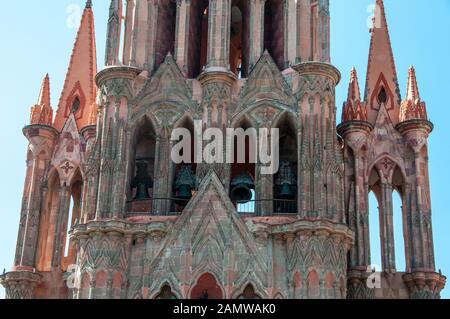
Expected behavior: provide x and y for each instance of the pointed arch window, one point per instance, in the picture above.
(166, 293)
(382, 96)
(75, 105)
(249, 293)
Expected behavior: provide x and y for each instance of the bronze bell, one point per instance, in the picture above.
(185, 182)
(241, 187)
(286, 192)
(184, 192)
(142, 182)
(286, 181)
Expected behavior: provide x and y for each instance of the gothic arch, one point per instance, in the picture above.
(258, 291)
(183, 179)
(248, 293)
(250, 108)
(47, 222)
(244, 171)
(207, 282)
(284, 182)
(378, 161)
(166, 292)
(73, 217)
(143, 156)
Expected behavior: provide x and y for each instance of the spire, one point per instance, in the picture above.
(79, 91)
(412, 91)
(412, 108)
(42, 112)
(113, 33)
(354, 109)
(353, 88)
(44, 94)
(381, 82)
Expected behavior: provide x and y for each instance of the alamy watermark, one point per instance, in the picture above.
(210, 146)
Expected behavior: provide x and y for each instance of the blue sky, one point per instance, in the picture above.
(37, 38)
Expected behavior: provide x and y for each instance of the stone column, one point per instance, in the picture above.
(113, 33)
(129, 18)
(387, 229)
(219, 34)
(290, 48)
(256, 31)
(182, 34)
(161, 185)
(304, 41)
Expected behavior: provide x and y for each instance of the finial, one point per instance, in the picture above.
(88, 4)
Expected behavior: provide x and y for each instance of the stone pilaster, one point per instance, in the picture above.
(216, 105)
(355, 135)
(41, 142)
(320, 153)
(116, 87)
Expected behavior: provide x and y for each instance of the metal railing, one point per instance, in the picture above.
(175, 206)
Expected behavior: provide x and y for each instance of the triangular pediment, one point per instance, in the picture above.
(384, 137)
(267, 83)
(166, 87)
(210, 237)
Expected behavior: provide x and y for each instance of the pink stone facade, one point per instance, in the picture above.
(104, 215)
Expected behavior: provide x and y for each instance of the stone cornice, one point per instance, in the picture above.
(214, 75)
(20, 276)
(416, 125)
(354, 126)
(116, 72)
(319, 68)
(29, 131)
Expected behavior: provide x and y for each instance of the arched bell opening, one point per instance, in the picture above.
(374, 219)
(285, 187)
(48, 222)
(274, 33)
(166, 28)
(399, 221)
(73, 217)
(239, 38)
(198, 37)
(166, 293)
(142, 168)
(249, 293)
(184, 177)
(243, 168)
(207, 287)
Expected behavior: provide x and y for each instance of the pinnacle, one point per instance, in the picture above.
(44, 94)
